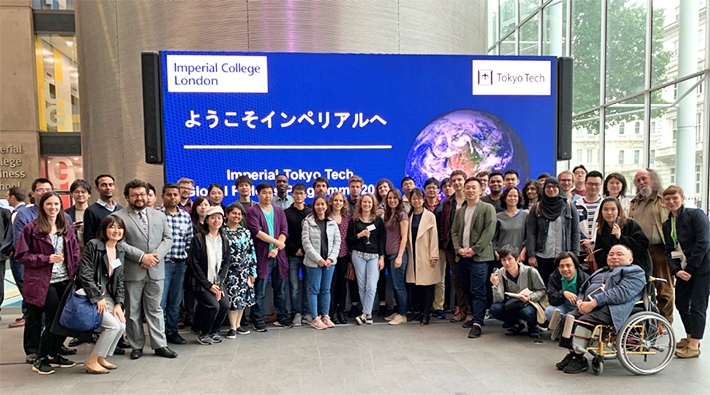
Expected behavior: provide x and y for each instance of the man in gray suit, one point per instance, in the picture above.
(147, 241)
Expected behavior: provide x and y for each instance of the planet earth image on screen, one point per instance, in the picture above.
(468, 140)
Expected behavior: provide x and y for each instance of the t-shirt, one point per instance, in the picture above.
(270, 223)
(587, 211)
(323, 238)
(495, 203)
(393, 234)
(511, 230)
(570, 286)
(467, 218)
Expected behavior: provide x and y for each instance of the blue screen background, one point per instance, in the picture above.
(408, 91)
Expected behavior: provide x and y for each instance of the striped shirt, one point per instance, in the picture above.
(181, 229)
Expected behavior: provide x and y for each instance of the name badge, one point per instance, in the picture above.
(371, 227)
(115, 263)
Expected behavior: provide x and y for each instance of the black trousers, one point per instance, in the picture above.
(546, 266)
(691, 300)
(50, 344)
(339, 286)
(209, 312)
(422, 297)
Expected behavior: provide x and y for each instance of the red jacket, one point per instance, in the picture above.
(33, 250)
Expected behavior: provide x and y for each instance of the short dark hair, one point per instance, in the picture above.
(19, 193)
(263, 185)
(213, 186)
(41, 181)
(281, 175)
(133, 184)
(482, 173)
(511, 171)
(459, 173)
(430, 181)
(102, 233)
(473, 179)
(508, 250)
(579, 167)
(319, 180)
(169, 186)
(80, 183)
(242, 180)
(406, 178)
(445, 181)
(567, 254)
(495, 173)
(615, 176)
(151, 188)
(594, 173)
(543, 175)
(100, 176)
(299, 187)
(504, 204)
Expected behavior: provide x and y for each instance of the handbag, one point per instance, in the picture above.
(350, 272)
(79, 313)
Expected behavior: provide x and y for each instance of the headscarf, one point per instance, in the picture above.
(551, 207)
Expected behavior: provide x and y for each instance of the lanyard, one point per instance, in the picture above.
(674, 235)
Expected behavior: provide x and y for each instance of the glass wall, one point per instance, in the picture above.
(641, 77)
(57, 83)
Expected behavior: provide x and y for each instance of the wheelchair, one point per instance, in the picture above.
(645, 344)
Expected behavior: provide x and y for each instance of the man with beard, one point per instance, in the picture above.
(495, 183)
(147, 241)
(103, 207)
(648, 210)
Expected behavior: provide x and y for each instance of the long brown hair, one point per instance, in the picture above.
(43, 224)
(392, 214)
(601, 222)
(357, 215)
(344, 212)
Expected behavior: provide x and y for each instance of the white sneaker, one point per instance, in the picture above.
(399, 319)
(297, 319)
(391, 317)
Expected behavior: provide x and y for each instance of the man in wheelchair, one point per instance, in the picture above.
(606, 298)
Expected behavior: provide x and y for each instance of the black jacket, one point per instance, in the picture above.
(633, 237)
(537, 228)
(197, 263)
(294, 220)
(693, 232)
(555, 294)
(5, 232)
(94, 266)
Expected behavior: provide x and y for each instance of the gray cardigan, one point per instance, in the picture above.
(310, 237)
(539, 292)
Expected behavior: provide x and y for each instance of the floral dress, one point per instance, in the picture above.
(242, 264)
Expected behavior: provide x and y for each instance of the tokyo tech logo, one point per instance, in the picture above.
(485, 77)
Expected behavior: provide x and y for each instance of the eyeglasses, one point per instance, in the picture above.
(135, 195)
(431, 188)
(594, 184)
(43, 190)
(551, 187)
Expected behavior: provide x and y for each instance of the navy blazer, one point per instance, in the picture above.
(693, 231)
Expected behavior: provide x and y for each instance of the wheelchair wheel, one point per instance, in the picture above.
(598, 365)
(645, 344)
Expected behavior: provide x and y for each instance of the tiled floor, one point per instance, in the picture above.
(378, 359)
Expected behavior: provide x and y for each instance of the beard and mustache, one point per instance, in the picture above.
(645, 191)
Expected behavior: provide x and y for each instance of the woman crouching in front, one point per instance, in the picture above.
(208, 263)
(101, 277)
(513, 278)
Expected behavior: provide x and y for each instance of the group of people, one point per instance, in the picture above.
(525, 257)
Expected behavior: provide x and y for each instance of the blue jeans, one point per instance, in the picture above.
(367, 275)
(17, 272)
(511, 317)
(279, 288)
(319, 279)
(399, 285)
(563, 308)
(472, 276)
(294, 264)
(172, 293)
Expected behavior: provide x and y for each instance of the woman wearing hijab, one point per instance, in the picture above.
(552, 228)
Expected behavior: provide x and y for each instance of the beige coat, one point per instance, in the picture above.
(426, 247)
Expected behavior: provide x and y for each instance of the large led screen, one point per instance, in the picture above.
(336, 115)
